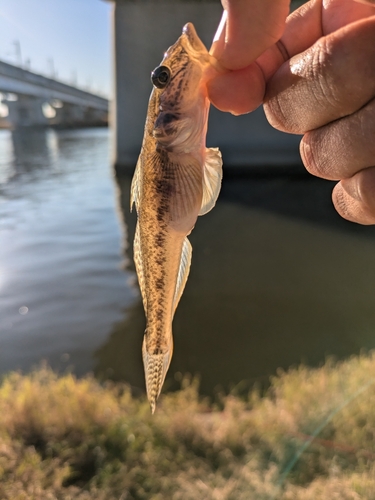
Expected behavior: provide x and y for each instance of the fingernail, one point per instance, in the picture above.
(350, 186)
(221, 26)
(218, 42)
(366, 2)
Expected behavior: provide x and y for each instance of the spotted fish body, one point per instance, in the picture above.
(176, 179)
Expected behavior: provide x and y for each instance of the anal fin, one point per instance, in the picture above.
(183, 271)
(138, 260)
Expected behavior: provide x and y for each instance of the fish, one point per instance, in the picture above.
(176, 179)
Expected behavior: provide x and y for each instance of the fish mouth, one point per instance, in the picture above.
(193, 38)
(196, 45)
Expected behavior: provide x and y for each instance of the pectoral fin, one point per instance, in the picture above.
(213, 173)
(185, 181)
(183, 272)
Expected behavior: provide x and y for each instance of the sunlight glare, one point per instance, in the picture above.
(48, 110)
(4, 110)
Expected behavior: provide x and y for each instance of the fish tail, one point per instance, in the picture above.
(156, 366)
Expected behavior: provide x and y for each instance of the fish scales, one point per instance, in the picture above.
(176, 179)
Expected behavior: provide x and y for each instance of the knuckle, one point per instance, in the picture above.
(349, 208)
(326, 87)
(354, 198)
(365, 215)
(308, 156)
(276, 113)
(340, 202)
(315, 157)
(363, 122)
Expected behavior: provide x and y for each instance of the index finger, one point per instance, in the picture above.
(243, 91)
(250, 27)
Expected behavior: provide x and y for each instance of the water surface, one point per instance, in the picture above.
(277, 277)
(62, 288)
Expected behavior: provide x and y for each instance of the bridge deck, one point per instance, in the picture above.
(21, 81)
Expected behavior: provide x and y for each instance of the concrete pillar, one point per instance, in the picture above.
(26, 111)
(3, 113)
(95, 116)
(69, 115)
(4, 123)
(73, 115)
(142, 32)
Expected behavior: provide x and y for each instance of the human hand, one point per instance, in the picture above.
(248, 28)
(325, 89)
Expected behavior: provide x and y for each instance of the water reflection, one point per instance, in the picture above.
(61, 285)
(277, 278)
(33, 149)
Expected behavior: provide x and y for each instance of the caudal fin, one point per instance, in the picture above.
(156, 367)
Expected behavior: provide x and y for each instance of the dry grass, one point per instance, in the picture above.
(312, 436)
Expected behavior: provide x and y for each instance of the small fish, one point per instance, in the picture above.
(176, 179)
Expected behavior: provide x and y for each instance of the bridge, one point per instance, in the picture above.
(36, 100)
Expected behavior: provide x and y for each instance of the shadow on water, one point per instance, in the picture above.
(277, 278)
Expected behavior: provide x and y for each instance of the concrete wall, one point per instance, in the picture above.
(143, 30)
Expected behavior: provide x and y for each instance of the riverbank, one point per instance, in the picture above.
(312, 436)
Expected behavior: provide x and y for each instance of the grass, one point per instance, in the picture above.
(312, 436)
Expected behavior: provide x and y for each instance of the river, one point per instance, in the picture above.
(277, 277)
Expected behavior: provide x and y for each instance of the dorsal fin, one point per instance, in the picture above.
(183, 272)
(213, 173)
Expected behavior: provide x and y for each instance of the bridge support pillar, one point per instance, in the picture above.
(95, 116)
(72, 115)
(26, 111)
(69, 115)
(142, 32)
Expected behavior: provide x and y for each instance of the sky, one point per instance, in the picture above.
(69, 37)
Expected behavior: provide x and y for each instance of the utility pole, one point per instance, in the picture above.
(74, 78)
(51, 65)
(17, 46)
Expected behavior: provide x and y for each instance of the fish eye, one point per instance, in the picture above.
(160, 77)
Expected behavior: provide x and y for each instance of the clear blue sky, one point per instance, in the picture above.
(74, 33)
